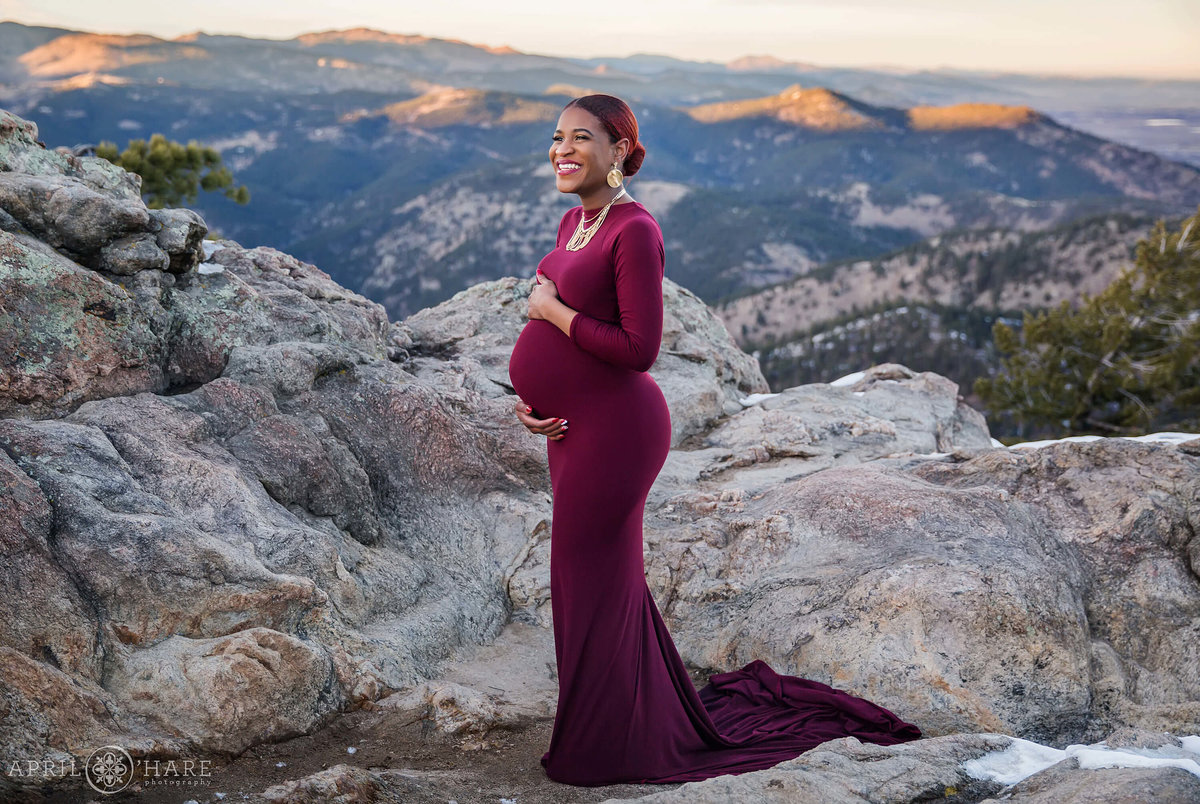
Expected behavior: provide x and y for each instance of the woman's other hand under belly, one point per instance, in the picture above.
(553, 428)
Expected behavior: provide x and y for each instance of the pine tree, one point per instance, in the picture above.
(1125, 362)
(172, 172)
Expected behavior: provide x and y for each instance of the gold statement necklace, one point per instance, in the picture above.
(583, 234)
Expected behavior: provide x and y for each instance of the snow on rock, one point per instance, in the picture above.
(747, 401)
(1020, 760)
(849, 379)
(210, 247)
(1024, 758)
(1163, 438)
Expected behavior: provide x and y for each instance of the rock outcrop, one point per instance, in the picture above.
(228, 514)
(960, 767)
(466, 340)
(237, 500)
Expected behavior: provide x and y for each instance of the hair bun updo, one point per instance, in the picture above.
(619, 121)
(634, 160)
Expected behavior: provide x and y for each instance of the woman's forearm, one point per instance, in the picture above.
(560, 315)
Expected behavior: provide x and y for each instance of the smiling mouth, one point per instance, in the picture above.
(567, 168)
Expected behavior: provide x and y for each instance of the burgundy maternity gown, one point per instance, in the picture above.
(627, 710)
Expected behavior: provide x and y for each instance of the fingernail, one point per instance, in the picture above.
(528, 409)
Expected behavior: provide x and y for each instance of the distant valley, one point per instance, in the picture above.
(792, 197)
(930, 305)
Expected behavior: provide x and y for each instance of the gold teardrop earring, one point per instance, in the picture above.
(614, 176)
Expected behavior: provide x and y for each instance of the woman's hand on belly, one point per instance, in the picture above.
(544, 303)
(543, 293)
(553, 428)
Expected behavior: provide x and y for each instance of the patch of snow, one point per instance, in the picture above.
(325, 134)
(997, 443)
(1048, 441)
(979, 159)
(1165, 437)
(1093, 758)
(1023, 758)
(659, 196)
(1161, 438)
(788, 256)
(210, 246)
(209, 268)
(747, 401)
(925, 213)
(849, 379)
(250, 140)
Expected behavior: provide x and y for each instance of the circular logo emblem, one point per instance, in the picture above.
(109, 769)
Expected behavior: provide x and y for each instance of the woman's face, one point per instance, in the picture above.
(581, 152)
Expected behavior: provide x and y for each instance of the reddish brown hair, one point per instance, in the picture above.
(618, 120)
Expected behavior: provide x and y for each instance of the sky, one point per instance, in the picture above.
(1142, 38)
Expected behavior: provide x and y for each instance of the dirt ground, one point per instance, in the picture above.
(508, 772)
(415, 762)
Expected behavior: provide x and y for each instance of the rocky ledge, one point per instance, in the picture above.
(238, 503)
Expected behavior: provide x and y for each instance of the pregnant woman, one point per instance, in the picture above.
(627, 709)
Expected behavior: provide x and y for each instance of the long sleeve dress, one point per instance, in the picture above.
(627, 710)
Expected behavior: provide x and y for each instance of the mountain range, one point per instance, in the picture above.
(410, 168)
(932, 303)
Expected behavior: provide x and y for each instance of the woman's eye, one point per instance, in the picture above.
(556, 137)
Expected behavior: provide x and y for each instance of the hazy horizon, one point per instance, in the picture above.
(1068, 38)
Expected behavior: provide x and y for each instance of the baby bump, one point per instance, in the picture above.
(556, 377)
(534, 365)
